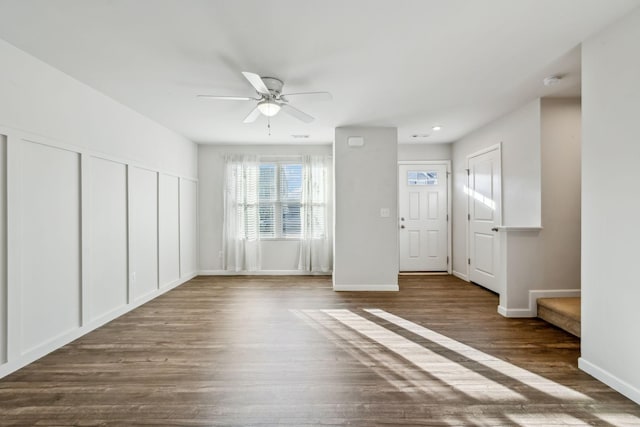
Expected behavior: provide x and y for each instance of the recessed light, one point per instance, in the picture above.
(300, 136)
(437, 128)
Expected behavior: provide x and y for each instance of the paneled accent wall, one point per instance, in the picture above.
(48, 245)
(169, 226)
(188, 226)
(108, 285)
(84, 238)
(143, 234)
(3, 249)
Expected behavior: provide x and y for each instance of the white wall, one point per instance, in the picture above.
(424, 151)
(561, 126)
(610, 206)
(188, 227)
(546, 262)
(366, 180)
(143, 234)
(41, 100)
(49, 246)
(541, 188)
(277, 255)
(3, 249)
(82, 208)
(169, 229)
(107, 264)
(519, 134)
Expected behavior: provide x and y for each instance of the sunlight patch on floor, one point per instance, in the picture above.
(455, 375)
(620, 420)
(403, 377)
(505, 368)
(545, 420)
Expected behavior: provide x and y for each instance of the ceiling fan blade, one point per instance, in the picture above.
(228, 98)
(320, 96)
(252, 116)
(256, 82)
(300, 115)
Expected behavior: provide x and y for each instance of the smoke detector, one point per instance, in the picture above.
(552, 80)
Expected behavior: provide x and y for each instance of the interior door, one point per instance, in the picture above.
(484, 195)
(423, 217)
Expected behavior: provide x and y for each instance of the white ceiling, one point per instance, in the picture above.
(405, 63)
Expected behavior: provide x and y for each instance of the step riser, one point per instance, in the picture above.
(558, 319)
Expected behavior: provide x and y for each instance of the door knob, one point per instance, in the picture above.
(402, 226)
(494, 229)
(402, 219)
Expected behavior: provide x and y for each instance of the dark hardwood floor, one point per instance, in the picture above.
(263, 351)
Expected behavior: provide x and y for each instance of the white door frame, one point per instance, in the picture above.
(498, 147)
(446, 163)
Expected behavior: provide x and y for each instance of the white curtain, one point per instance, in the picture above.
(241, 234)
(315, 245)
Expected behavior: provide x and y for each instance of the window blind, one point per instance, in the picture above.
(275, 204)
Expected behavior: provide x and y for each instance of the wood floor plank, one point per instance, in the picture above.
(269, 351)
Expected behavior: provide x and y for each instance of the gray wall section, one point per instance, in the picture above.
(610, 206)
(366, 244)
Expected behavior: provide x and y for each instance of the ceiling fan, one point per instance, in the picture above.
(271, 100)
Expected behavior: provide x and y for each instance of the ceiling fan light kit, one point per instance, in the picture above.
(271, 99)
(268, 108)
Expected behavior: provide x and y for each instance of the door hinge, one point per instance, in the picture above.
(468, 171)
(447, 217)
(469, 261)
(468, 217)
(447, 260)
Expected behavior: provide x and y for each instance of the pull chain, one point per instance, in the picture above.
(269, 124)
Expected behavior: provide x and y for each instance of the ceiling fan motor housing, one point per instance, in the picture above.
(274, 85)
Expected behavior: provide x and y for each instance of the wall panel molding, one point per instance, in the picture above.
(143, 232)
(50, 287)
(109, 243)
(46, 213)
(3, 248)
(169, 229)
(14, 247)
(188, 226)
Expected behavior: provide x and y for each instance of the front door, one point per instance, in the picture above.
(484, 196)
(423, 217)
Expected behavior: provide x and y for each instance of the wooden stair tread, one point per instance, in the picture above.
(561, 312)
(569, 307)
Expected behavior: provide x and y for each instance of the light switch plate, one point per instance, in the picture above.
(384, 212)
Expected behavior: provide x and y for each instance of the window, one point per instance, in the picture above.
(280, 204)
(273, 198)
(422, 178)
(284, 198)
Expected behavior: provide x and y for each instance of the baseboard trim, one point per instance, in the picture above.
(423, 273)
(514, 312)
(262, 273)
(36, 353)
(366, 288)
(460, 275)
(532, 310)
(609, 379)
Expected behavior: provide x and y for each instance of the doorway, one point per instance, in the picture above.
(424, 208)
(484, 195)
